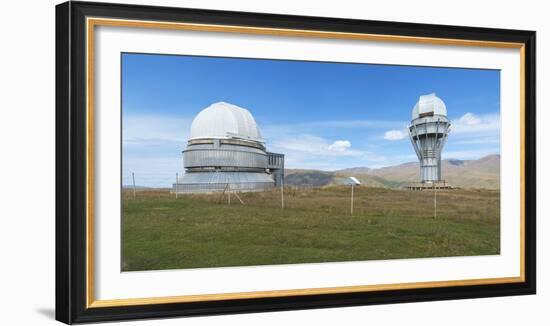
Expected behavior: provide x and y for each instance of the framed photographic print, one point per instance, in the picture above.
(212, 162)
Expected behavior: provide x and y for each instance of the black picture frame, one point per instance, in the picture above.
(71, 156)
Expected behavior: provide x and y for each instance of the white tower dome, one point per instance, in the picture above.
(428, 105)
(224, 120)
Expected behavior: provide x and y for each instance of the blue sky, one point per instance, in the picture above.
(325, 116)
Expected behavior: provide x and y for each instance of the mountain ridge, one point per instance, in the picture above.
(481, 173)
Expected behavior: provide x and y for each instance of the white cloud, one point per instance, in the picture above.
(471, 123)
(155, 130)
(469, 119)
(339, 145)
(309, 145)
(152, 146)
(395, 135)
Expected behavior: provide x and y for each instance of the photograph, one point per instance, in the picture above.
(225, 160)
(231, 161)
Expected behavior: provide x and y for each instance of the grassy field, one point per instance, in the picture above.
(195, 231)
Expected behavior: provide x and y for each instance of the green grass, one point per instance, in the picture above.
(194, 231)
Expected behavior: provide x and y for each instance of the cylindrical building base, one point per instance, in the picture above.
(429, 173)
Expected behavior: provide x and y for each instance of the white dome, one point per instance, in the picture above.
(429, 103)
(225, 120)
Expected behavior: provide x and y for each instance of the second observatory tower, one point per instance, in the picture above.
(428, 132)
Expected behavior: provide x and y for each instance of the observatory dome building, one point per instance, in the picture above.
(225, 151)
(428, 133)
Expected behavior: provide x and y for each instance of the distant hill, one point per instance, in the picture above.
(481, 173)
(356, 170)
(309, 177)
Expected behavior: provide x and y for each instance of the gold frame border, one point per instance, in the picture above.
(92, 22)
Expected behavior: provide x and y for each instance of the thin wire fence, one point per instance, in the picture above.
(328, 199)
(149, 180)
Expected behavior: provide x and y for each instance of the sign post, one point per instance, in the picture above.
(177, 181)
(134, 183)
(353, 182)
